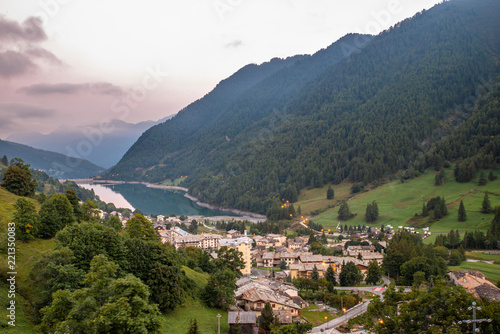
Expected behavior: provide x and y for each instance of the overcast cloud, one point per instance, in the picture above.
(77, 62)
(103, 88)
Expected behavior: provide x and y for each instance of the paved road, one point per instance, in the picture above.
(328, 328)
(352, 313)
(380, 288)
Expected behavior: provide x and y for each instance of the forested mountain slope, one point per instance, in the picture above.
(176, 147)
(54, 164)
(359, 118)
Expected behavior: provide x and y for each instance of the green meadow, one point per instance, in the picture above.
(399, 202)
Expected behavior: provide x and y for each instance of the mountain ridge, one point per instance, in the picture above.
(107, 148)
(55, 164)
(362, 117)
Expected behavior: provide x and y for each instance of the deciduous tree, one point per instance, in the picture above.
(219, 291)
(166, 286)
(230, 258)
(18, 182)
(55, 214)
(106, 304)
(88, 240)
(141, 228)
(26, 219)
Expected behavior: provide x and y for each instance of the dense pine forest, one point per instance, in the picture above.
(423, 93)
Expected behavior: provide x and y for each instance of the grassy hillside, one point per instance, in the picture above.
(178, 321)
(27, 254)
(398, 202)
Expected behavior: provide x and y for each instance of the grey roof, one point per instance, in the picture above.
(488, 291)
(242, 317)
(179, 230)
(249, 286)
(243, 281)
(461, 273)
(259, 294)
(235, 242)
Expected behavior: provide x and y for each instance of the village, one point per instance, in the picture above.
(273, 261)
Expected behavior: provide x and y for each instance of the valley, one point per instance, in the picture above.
(355, 186)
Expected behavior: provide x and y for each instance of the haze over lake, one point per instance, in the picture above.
(151, 200)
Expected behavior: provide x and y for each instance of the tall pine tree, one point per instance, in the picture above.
(266, 317)
(344, 212)
(371, 214)
(193, 327)
(315, 274)
(330, 276)
(462, 216)
(486, 206)
(425, 211)
(330, 194)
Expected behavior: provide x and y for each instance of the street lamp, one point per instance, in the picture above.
(218, 321)
(474, 320)
(326, 319)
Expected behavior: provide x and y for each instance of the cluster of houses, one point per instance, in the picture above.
(272, 250)
(301, 264)
(252, 295)
(209, 242)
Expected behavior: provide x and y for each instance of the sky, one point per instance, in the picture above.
(65, 63)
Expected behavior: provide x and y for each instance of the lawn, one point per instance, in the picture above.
(179, 320)
(200, 279)
(483, 257)
(492, 271)
(315, 199)
(316, 318)
(399, 202)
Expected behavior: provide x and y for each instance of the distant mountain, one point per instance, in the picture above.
(106, 147)
(54, 164)
(360, 110)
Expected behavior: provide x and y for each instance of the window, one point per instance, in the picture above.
(274, 305)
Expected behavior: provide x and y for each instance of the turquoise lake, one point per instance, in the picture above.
(151, 200)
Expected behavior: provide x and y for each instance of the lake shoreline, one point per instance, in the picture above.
(245, 215)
